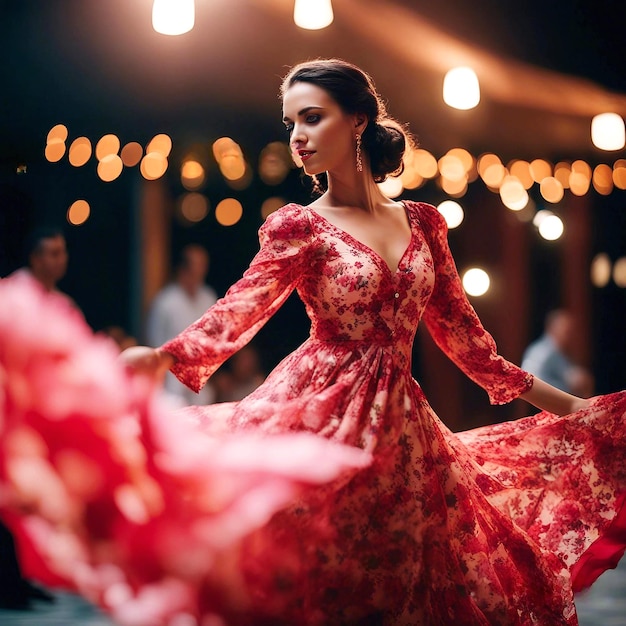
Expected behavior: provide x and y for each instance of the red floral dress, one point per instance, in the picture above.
(492, 526)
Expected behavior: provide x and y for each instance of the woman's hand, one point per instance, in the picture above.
(150, 362)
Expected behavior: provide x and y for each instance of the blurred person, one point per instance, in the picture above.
(177, 305)
(549, 356)
(46, 259)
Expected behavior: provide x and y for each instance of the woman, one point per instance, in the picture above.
(491, 526)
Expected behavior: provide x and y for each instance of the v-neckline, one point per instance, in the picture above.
(342, 233)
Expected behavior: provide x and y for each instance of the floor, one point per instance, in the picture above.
(602, 605)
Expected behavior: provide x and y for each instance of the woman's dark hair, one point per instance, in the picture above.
(384, 139)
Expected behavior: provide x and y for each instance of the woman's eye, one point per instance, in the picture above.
(289, 128)
(312, 119)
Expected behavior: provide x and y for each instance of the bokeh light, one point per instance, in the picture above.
(602, 179)
(194, 207)
(131, 153)
(551, 189)
(600, 270)
(551, 227)
(192, 174)
(228, 212)
(153, 166)
(161, 143)
(452, 212)
(80, 151)
(108, 144)
(78, 213)
(476, 281)
(57, 132)
(619, 272)
(55, 149)
(110, 167)
(513, 194)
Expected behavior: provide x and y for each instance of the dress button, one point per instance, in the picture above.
(396, 295)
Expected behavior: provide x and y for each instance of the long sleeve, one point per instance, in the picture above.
(286, 240)
(455, 326)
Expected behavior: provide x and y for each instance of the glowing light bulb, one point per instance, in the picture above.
(461, 89)
(313, 14)
(173, 17)
(607, 131)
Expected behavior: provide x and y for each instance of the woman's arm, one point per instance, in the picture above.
(549, 398)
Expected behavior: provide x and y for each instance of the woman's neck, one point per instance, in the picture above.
(358, 191)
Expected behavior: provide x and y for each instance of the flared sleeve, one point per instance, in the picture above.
(455, 327)
(286, 242)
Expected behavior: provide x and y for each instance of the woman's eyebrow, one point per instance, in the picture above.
(303, 111)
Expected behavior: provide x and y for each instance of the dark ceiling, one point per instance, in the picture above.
(97, 66)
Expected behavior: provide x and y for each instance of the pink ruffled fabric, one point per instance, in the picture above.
(109, 495)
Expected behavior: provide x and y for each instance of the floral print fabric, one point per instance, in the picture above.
(483, 527)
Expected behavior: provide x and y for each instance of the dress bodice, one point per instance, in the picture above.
(351, 295)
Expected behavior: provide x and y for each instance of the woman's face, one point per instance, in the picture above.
(321, 134)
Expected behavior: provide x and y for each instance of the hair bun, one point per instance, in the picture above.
(385, 142)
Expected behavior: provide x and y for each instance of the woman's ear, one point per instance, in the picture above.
(360, 122)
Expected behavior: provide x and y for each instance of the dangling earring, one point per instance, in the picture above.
(359, 160)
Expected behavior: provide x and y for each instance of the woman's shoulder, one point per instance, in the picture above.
(290, 221)
(427, 215)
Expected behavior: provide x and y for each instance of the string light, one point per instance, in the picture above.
(173, 17)
(313, 14)
(461, 89)
(607, 131)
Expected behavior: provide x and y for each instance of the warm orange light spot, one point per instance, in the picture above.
(578, 183)
(494, 174)
(603, 179)
(270, 205)
(454, 188)
(521, 170)
(486, 160)
(425, 163)
(619, 177)
(161, 144)
(582, 167)
(600, 270)
(78, 213)
(513, 194)
(110, 167)
(551, 189)
(225, 146)
(153, 166)
(540, 169)
(411, 178)
(192, 175)
(452, 168)
(228, 212)
(194, 207)
(232, 167)
(562, 172)
(55, 149)
(80, 151)
(464, 156)
(57, 132)
(108, 144)
(131, 154)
